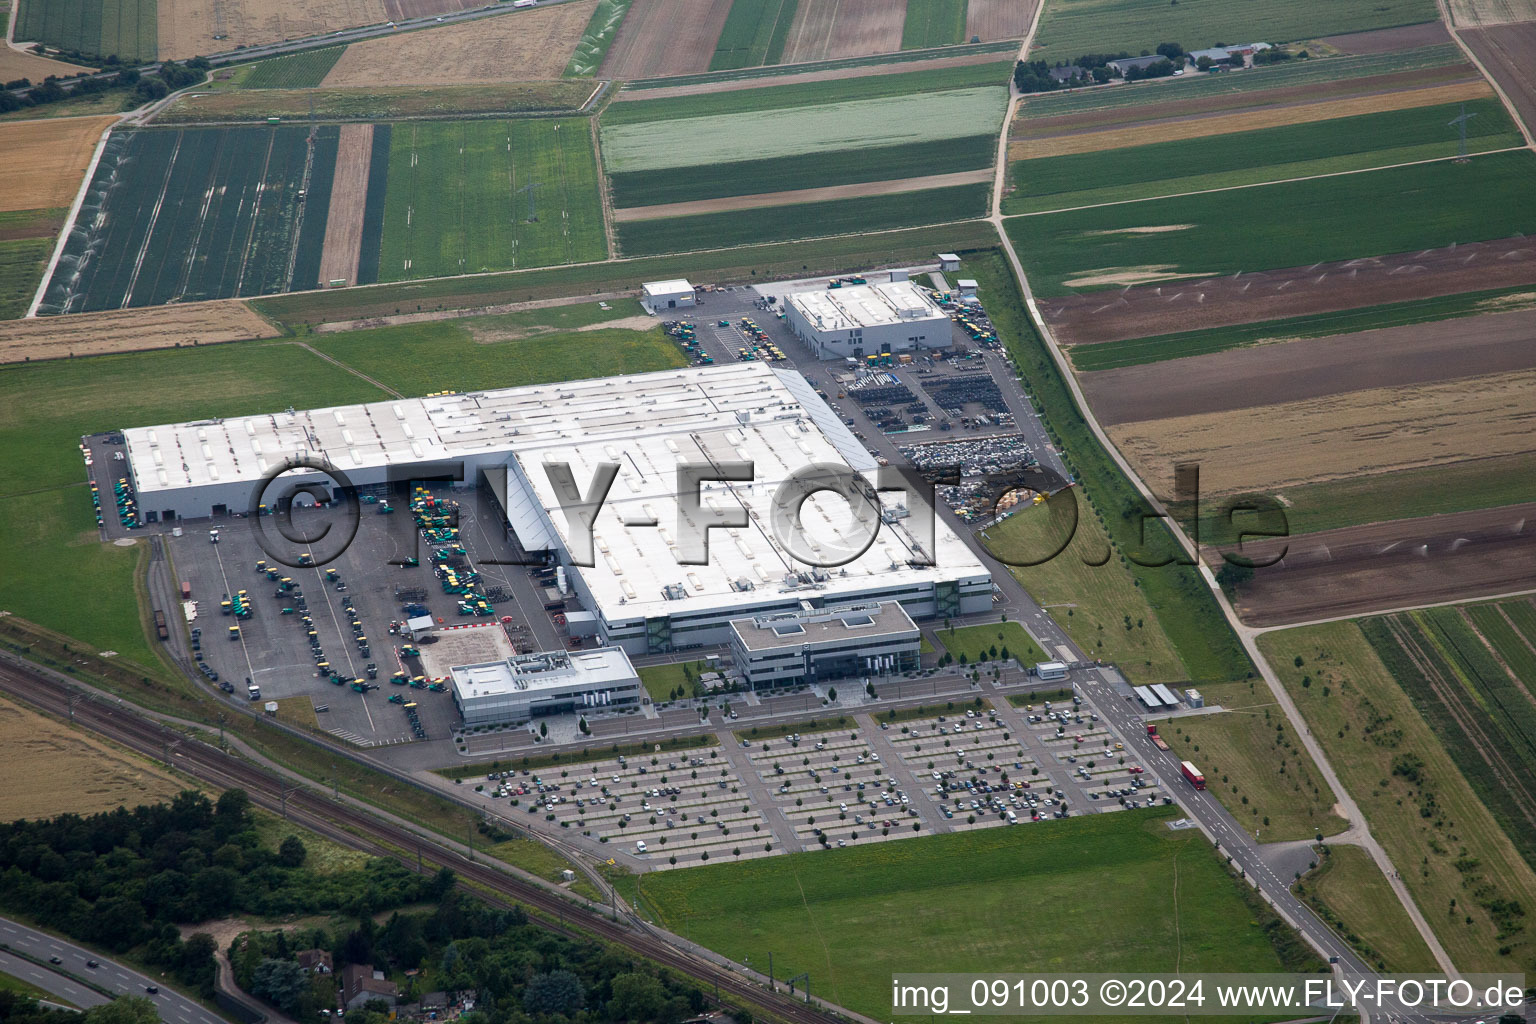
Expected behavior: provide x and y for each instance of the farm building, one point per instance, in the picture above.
(525, 686)
(657, 296)
(635, 580)
(1227, 54)
(1137, 63)
(862, 320)
(811, 644)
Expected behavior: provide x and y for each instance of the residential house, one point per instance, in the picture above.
(314, 961)
(360, 983)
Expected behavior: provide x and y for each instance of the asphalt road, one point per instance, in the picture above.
(174, 1008)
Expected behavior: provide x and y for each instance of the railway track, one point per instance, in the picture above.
(360, 830)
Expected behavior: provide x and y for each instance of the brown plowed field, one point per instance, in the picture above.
(349, 196)
(789, 78)
(1195, 127)
(844, 28)
(130, 330)
(1339, 436)
(1509, 54)
(44, 161)
(1149, 310)
(515, 47)
(803, 195)
(665, 37)
(998, 19)
(1028, 127)
(1397, 564)
(1385, 40)
(15, 64)
(399, 10)
(1314, 368)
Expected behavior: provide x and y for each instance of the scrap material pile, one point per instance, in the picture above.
(991, 473)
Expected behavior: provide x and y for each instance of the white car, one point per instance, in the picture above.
(640, 846)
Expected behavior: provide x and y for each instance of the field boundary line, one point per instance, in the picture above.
(74, 211)
(821, 193)
(1277, 181)
(1509, 107)
(349, 368)
(1400, 610)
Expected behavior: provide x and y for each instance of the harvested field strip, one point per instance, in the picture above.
(1272, 79)
(806, 195)
(751, 31)
(933, 23)
(1255, 157)
(1509, 53)
(1089, 358)
(694, 141)
(641, 107)
(1292, 224)
(16, 224)
(1376, 430)
(100, 27)
(665, 37)
(843, 67)
(348, 202)
(1387, 40)
(94, 334)
(22, 262)
(998, 19)
(1072, 27)
(1245, 121)
(593, 45)
(371, 241)
(16, 64)
(845, 167)
(1478, 13)
(376, 104)
(844, 28)
(45, 160)
(806, 220)
(293, 71)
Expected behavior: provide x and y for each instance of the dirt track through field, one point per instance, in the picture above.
(1314, 368)
(665, 37)
(343, 244)
(832, 74)
(844, 28)
(1385, 40)
(1396, 564)
(803, 195)
(515, 47)
(130, 330)
(42, 162)
(1194, 304)
(1509, 54)
(998, 19)
(1202, 126)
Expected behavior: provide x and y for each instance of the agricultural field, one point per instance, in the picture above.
(45, 160)
(1292, 224)
(1508, 52)
(1072, 27)
(823, 70)
(664, 37)
(1446, 843)
(800, 906)
(592, 47)
(844, 28)
(471, 196)
(926, 184)
(291, 71)
(755, 32)
(933, 23)
(191, 27)
(196, 214)
(16, 64)
(1348, 890)
(998, 19)
(347, 214)
(69, 770)
(375, 104)
(128, 330)
(100, 28)
(22, 263)
(517, 46)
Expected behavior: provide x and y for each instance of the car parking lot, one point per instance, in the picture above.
(975, 770)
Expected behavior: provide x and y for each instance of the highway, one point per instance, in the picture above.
(174, 1007)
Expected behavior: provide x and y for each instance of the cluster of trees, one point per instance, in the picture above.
(520, 972)
(20, 1009)
(138, 88)
(125, 879)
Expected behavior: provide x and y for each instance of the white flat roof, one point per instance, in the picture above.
(546, 670)
(867, 305)
(667, 287)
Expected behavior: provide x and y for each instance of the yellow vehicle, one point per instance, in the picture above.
(234, 632)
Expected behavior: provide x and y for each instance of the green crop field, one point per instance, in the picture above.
(293, 71)
(806, 94)
(460, 194)
(987, 643)
(802, 220)
(723, 138)
(1434, 827)
(755, 32)
(1348, 890)
(852, 917)
(1072, 27)
(1290, 224)
(933, 23)
(815, 170)
(101, 28)
(1245, 158)
(593, 45)
(22, 262)
(877, 61)
(377, 104)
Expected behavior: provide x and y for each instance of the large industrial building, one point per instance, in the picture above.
(867, 319)
(645, 599)
(549, 683)
(813, 644)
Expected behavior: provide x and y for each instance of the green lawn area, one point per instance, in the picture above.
(322, 855)
(1246, 158)
(1072, 27)
(830, 723)
(465, 197)
(661, 680)
(1348, 890)
(464, 355)
(851, 917)
(474, 774)
(1093, 602)
(988, 642)
(933, 23)
(21, 267)
(1368, 726)
(1289, 224)
(1256, 768)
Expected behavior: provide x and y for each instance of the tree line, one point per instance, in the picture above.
(138, 88)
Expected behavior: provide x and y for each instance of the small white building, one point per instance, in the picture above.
(967, 286)
(659, 296)
(547, 683)
(1051, 670)
(1194, 699)
(949, 261)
